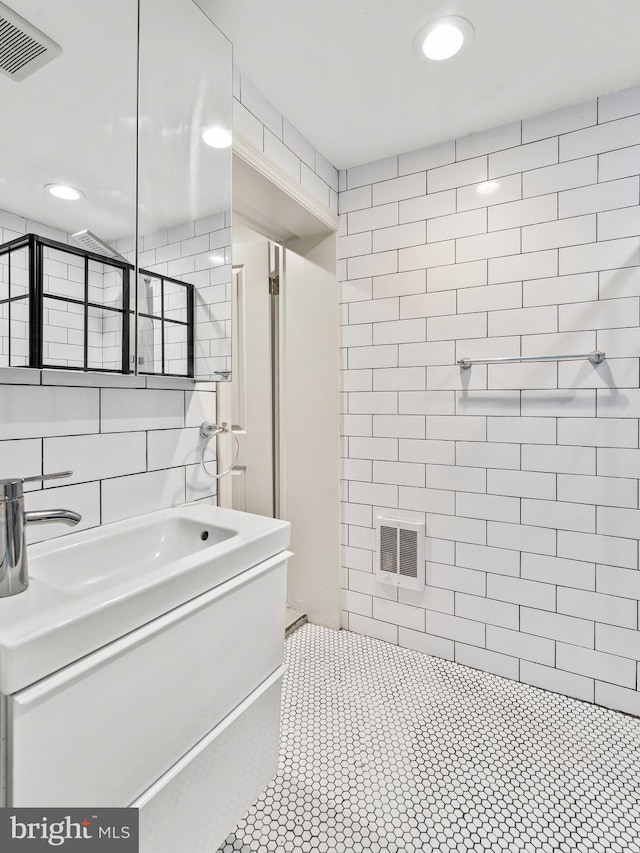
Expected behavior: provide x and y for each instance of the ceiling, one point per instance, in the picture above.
(344, 72)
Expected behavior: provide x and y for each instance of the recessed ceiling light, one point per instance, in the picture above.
(64, 192)
(217, 136)
(443, 38)
(487, 187)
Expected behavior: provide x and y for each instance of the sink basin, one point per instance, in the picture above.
(90, 588)
(78, 567)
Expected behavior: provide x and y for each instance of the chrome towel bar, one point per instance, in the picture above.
(594, 357)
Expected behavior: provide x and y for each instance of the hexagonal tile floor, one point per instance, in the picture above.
(386, 749)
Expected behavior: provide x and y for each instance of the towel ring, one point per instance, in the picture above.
(209, 431)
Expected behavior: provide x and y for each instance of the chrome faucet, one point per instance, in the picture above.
(14, 574)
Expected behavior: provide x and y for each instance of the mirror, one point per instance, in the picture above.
(184, 233)
(77, 289)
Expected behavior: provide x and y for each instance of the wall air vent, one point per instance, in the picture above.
(23, 48)
(400, 552)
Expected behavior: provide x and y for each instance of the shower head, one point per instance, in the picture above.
(94, 244)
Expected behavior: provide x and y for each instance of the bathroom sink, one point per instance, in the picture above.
(88, 589)
(81, 567)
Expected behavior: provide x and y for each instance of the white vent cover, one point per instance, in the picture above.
(400, 552)
(23, 48)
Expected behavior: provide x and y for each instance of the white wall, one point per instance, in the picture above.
(526, 474)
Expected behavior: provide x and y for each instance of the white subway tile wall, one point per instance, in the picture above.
(524, 240)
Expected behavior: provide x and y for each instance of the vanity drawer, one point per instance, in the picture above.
(102, 730)
(202, 798)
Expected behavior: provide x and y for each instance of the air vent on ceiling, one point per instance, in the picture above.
(400, 552)
(94, 244)
(23, 47)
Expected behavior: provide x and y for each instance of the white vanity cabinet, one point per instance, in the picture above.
(179, 717)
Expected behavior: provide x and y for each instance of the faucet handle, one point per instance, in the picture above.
(39, 478)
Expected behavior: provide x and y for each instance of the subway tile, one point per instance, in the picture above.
(495, 244)
(432, 451)
(457, 225)
(457, 174)
(36, 411)
(356, 291)
(556, 570)
(457, 529)
(487, 661)
(426, 402)
(129, 410)
(327, 172)
(561, 460)
(619, 698)
(532, 155)
(615, 462)
(428, 304)
(428, 206)
(488, 194)
(491, 298)
(488, 559)
(432, 352)
(400, 284)
(608, 255)
(355, 244)
(21, 458)
(356, 602)
(457, 427)
(359, 559)
(262, 109)
(371, 218)
(455, 628)
(441, 551)
(556, 626)
(523, 321)
(402, 615)
(456, 478)
(527, 375)
(618, 641)
(601, 549)
(560, 290)
(558, 682)
(564, 176)
(451, 377)
(471, 274)
(356, 425)
(488, 454)
(125, 497)
(373, 403)
(409, 186)
(602, 491)
(613, 224)
(487, 141)
(456, 326)
(521, 537)
(594, 664)
(523, 267)
(619, 374)
(399, 331)
(199, 406)
(373, 628)
(365, 447)
(619, 164)
(371, 357)
(427, 158)
(598, 197)
(617, 521)
(399, 236)
(357, 469)
(399, 379)
(559, 514)
(95, 457)
(503, 347)
(562, 232)
(378, 494)
(282, 156)
(619, 343)
(523, 646)
(541, 596)
(560, 121)
(426, 643)
(602, 137)
(613, 432)
(489, 507)
(563, 403)
(456, 578)
(399, 473)
(356, 199)
(482, 403)
(397, 426)
(487, 610)
(300, 146)
(425, 257)
(612, 580)
(554, 343)
(375, 310)
(603, 314)
(426, 500)
(523, 484)
(525, 430)
(529, 211)
(619, 104)
(370, 173)
(360, 335)
(379, 263)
